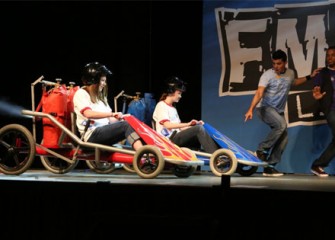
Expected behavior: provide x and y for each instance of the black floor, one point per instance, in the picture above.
(85, 205)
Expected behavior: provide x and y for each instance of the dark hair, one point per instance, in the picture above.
(331, 47)
(279, 54)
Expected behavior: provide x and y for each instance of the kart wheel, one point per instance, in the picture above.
(184, 171)
(17, 149)
(148, 161)
(223, 162)
(57, 165)
(246, 170)
(129, 168)
(101, 167)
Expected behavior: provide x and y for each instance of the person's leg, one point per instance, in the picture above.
(186, 138)
(278, 149)
(329, 153)
(195, 136)
(109, 134)
(278, 126)
(132, 137)
(114, 133)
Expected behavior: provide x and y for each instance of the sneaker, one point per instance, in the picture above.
(271, 172)
(318, 171)
(262, 155)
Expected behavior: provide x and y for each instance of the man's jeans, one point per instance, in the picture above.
(329, 153)
(276, 141)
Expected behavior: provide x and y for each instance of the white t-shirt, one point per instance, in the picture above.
(164, 112)
(277, 88)
(82, 102)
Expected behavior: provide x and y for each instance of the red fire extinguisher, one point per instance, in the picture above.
(58, 103)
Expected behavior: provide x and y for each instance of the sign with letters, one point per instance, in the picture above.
(238, 39)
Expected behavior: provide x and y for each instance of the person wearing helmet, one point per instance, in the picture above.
(167, 122)
(90, 102)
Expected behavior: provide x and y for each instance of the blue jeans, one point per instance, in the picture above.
(276, 140)
(329, 153)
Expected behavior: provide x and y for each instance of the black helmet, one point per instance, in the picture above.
(92, 73)
(175, 83)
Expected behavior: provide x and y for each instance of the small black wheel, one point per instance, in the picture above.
(183, 171)
(17, 149)
(148, 161)
(246, 170)
(57, 165)
(101, 167)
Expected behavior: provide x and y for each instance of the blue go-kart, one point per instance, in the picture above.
(230, 158)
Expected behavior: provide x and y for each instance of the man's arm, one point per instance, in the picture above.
(258, 96)
(301, 80)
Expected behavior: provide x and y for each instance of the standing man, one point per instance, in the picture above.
(270, 101)
(323, 91)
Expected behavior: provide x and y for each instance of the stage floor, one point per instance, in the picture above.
(84, 205)
(300, 182)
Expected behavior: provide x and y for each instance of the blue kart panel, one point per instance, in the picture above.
(243, 156)
(230, 157)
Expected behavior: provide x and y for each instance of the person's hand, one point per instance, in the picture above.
(315, 72)
(193, 122)
(248, 116)
(118, 115)
(317, 93)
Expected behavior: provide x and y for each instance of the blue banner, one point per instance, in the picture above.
(238, 38)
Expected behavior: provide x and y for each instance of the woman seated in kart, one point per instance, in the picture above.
(167, 122)
(90, 102)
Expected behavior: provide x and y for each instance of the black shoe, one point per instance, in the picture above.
(318, 171)
(271, 172)
(262, 155)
